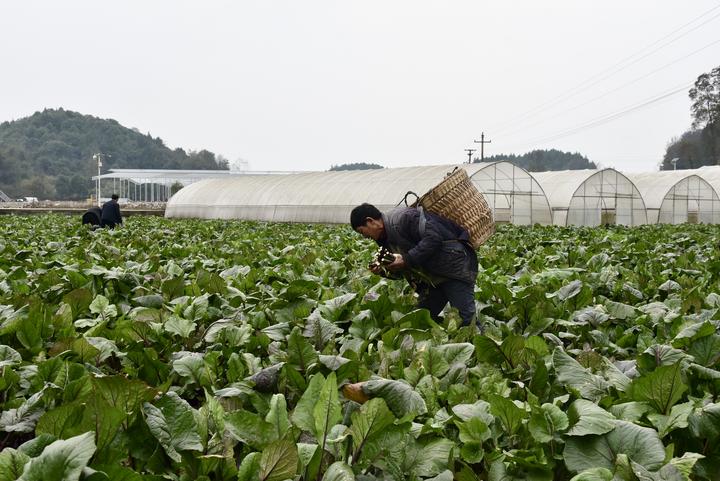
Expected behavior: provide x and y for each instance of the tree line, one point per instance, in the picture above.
(544, 160)
(355, 166)
(535, 161)
(700, 145)
(49, 154)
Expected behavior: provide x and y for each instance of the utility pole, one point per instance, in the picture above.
(99, 158)
(482, 143)
(470, 152)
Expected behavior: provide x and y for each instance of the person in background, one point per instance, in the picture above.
(110, 213)
(433, 253)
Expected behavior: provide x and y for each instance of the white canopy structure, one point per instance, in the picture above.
(710, 173)
(326, 197)
(329, 197)
(592, 197)
(513, 194)
(678, 196)
(156, 185)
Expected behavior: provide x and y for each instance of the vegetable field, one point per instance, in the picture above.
(216, 350)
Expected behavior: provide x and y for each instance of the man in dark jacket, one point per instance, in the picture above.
(432, 244)
(110, 213)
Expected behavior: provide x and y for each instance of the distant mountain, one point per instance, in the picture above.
(542, 160)
(49, 155)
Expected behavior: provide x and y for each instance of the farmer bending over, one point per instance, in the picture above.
(433, 253)
(110, 214)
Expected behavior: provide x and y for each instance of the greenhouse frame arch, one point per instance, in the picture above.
(513, 194)
(677, 197)
(593, 197)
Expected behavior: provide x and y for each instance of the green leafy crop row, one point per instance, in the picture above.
(221, 350)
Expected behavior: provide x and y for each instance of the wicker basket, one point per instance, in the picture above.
(457, 199)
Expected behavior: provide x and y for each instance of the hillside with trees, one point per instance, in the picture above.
(356, 166)
(543, 160)
(50, 154)
(701, 144)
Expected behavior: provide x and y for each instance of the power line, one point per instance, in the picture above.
(607, 118)
(621, 65)
(545, 119)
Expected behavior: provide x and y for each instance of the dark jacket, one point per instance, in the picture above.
(436, 245)
(111, 212)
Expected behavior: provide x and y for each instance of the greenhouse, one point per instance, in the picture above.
(157, 185)
(711, 173)
(513, 194)
(678, 196)
(592, 197)
(330, 196)
(307, 197)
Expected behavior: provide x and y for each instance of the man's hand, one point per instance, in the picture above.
(397, 264)
(376, 268)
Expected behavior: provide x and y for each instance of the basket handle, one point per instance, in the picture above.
(405, 199)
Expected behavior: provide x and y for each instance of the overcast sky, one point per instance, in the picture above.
(303, 85)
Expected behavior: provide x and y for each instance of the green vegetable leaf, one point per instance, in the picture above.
(303, 416)
(334, 308)
(433, 457)
(103, 413)
(507, 412)
(301, 354)
(319, 330)
(677, 419)
(705, 422)
(400, 397)
(191, 365)
(372, 418)
(641, 445)
(279, 461)
(586, 417)
(594, 474)
(339, 471)
(326, 412)
(249, 469)
(472, 434)
(125, 395)
(173, 424)
(659, 355)
(101, 305)
(630, 411)
(571, 374)
(154, 301)
(546, 422)
(706, 350)
(62, 460)
(455, 353)
(180, 326)
(251, 429)
(23, 418)
(12, 464)
(434, 362)
(277, 416)
(686, 463)
(479, 409)
(661, 388)
(567, 291)
(9, 356)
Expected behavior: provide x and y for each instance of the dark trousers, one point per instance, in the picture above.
(460, 295)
